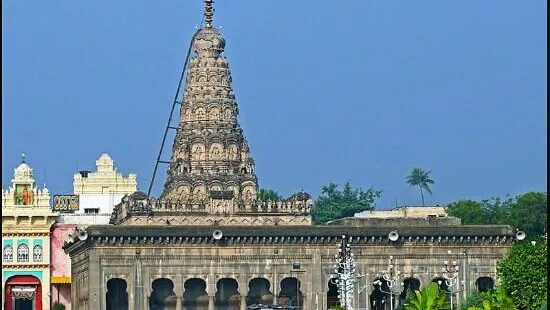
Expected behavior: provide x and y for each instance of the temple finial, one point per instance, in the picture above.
(208, 12)
(23, 158)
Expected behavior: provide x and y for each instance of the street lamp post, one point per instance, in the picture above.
(450, 273)
(391, 277)
(345, 269)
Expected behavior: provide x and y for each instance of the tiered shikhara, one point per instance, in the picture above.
(211, 171)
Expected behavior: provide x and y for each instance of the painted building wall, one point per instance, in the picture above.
(26, 221)
(61, 265)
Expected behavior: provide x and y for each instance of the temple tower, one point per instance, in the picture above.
(210, 155)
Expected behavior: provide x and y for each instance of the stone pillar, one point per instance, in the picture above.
(94, 279)
(138, 282)
(317, 279)
(243, 302)
(211, 302)
(178, 289)
(211, 290)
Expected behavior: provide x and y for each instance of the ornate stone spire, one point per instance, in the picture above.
(208, 12)
(210, 155)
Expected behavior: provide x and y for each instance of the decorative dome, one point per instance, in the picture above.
(209, 43)
(23, 173)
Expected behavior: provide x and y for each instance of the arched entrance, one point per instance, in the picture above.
(379, 298)
(290, 293)
(194, 295)
(162, 296)
(410, 285)
(116, 297)
(259, 292)
(227, 294)
(485, 284)
(332, 294)
(23, 293)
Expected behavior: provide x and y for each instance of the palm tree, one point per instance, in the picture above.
(420, 178)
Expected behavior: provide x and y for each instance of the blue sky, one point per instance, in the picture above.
(359, 91)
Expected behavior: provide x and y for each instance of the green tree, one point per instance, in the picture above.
(495, 300)
(523, 274)
(268, 194)
(421, 178)
(430, 298)
(485, 212)
(529, 213)
(334, 204)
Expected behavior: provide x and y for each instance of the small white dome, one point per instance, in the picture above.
(23, 172)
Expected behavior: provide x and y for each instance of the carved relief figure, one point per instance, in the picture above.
(183, 192)
(199, 193)
(232, 152)
(214, 114)
(215, 151)
(248, 195)
(228, 115)
(198, 152)
(200, 114)
(187, 115)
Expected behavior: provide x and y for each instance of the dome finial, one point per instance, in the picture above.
(23, 158)
(208, 12)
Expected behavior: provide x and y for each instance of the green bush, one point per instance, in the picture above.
(58, 306)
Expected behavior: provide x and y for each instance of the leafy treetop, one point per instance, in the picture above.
(334, 204)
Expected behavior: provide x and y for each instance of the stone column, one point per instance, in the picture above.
(243, 302)
(138, 282)
(211, 302)
(94, 281)
(317, 283)
(178, 288)
(211, 290)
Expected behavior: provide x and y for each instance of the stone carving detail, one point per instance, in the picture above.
(295, 210)
(218, 150)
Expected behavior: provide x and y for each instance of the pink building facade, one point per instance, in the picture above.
(61, 265)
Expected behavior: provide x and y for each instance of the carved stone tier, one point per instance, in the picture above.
(217, 208)
(210, 152)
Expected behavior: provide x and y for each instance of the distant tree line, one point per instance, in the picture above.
(527, 212)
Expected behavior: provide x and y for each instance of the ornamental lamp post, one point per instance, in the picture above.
(391, 277)
(345, 269)
(450, 273)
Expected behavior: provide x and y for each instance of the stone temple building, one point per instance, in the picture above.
(208, 243)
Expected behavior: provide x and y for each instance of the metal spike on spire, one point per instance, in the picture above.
(208, 12)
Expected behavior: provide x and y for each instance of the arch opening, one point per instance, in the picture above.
(379, 299)
(117, 296)
(409, 286)
(227, 294)
(163, 296)
(23, 292)
(259, 292)
(195, 296)
(485, 284)
(332, 294)
(290, 293)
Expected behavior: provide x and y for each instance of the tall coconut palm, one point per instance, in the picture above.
(421, 178)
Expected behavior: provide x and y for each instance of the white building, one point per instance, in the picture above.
(405, 212)
(98, 192)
